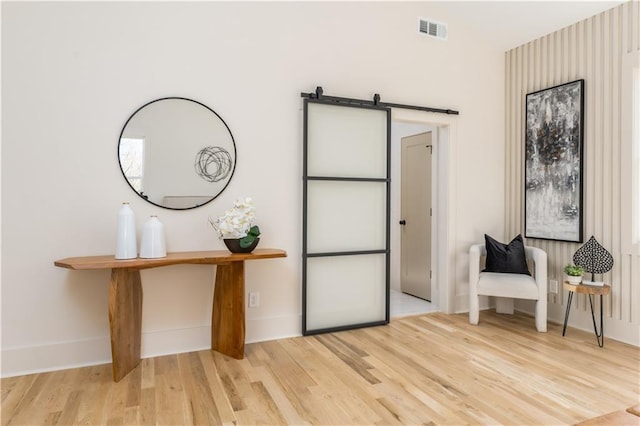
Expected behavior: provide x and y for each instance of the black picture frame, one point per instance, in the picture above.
(553, 184)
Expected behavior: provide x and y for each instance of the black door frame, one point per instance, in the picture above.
(306, 178)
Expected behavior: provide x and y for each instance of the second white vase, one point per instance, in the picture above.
(153, 241)
(126, 234)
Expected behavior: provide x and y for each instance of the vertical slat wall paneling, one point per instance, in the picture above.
(530, 73)
(526, 71)
(607, 204)
(512, 109)
(557, 61)
(624, 277)
(564, 37)
(631, 262)
(537, 64)
(542, 59)
(515, 121)
(515, 136)
(518, 172)
(634, 291)
(598, 139)
(633, 44)
(626, 293)
(591, 50)
(573, 53)
(634, 24)
(508, 124)
(615, 222)
(627, 22)
(519, 133)
(625, 261)
(588, 159)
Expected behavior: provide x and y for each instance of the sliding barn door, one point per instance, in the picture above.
(345, 216)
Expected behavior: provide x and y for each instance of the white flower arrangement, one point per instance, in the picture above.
(237, 222)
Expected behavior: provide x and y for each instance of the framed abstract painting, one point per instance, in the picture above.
(553, 163)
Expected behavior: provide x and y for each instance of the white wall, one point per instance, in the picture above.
(74, 72)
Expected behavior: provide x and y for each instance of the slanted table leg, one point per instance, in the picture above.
(599, 334)
(125, 320)
(566, 314)
(227, 318)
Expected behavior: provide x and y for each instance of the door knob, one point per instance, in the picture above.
(403, 222)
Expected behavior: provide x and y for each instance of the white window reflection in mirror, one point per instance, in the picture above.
(132, 160)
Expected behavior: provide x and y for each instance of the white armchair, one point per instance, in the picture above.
(506, 287)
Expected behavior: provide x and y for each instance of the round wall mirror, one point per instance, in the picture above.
(177, 153)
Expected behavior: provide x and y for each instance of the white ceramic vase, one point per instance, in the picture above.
(126, 245)
(153, 242)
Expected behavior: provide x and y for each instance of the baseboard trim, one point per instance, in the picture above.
(20, 361)
(462, 303)
(581, 320)
(273, 328)
(57, 356)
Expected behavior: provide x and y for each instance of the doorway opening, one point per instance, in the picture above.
(409, 123)
(416, 213)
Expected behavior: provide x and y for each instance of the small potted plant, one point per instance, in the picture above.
(235, 227)
(574, 273)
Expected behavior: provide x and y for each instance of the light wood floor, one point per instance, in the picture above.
(429, 369)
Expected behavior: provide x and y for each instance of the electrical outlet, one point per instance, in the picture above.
(254, 299)
(553, 286)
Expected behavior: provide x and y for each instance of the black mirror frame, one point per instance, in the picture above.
(141, 195)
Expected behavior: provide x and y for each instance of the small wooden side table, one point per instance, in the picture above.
(589, 290)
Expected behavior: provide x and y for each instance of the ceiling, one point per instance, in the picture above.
(508, 24)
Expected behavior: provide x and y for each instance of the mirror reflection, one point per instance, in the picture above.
(177, 153)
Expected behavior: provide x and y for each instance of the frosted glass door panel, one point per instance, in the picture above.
(346, 216)
(345, 224)
(346, 141)
(345, 290)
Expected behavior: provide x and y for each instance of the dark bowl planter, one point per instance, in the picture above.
(233, 244)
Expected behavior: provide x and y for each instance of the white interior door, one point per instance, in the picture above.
(346, 216)
(416, 213)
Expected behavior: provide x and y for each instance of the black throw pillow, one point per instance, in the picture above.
(506, 258)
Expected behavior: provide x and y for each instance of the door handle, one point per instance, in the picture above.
(403, 222)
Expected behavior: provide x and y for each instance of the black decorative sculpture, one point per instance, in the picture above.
(593, 258)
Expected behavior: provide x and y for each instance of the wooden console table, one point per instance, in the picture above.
(125, 299)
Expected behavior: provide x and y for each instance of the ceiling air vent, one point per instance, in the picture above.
(433, 28)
